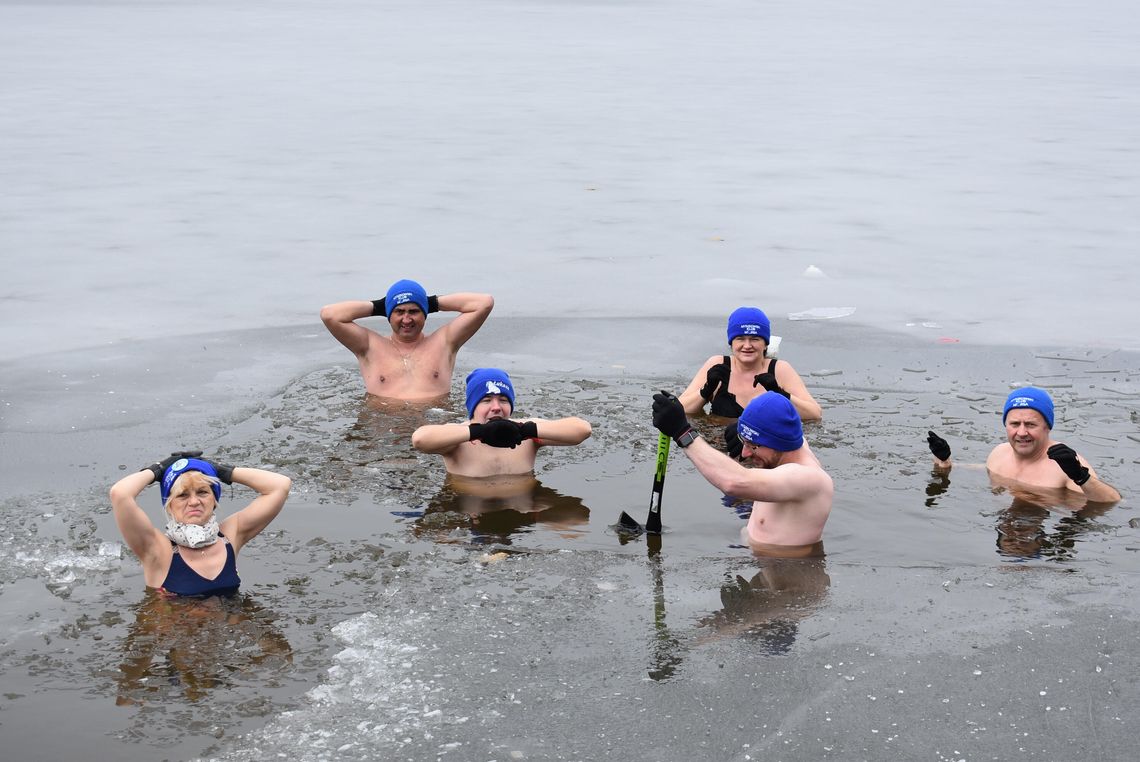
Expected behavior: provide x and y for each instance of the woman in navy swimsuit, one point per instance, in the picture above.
(729, 382)
(194, 554)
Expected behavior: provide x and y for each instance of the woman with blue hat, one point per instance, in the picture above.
(727, 383)
(194, 554)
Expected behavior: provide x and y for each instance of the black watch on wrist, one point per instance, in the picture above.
(687, 438)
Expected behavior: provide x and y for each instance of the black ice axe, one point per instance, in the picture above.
(653, 523)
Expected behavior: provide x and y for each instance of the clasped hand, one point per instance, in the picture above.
(669, 415)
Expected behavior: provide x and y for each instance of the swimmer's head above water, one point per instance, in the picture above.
(483, 382)
(1030, 397)
(749, 321)
(771, 420)
(405, 292)
(184, 466)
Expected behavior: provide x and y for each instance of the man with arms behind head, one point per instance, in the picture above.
(409, 364)
(490, 442)
(791, 492)
(1030, 456)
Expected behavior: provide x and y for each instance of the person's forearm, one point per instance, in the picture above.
(464, 302)
(807, 407)
(692, 401)
(346, 312)
(440, 438)
(564, 431)
(265, 482)
(718, 469)
(1097, 491)
(129, 487)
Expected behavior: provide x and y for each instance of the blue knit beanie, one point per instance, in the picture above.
(484, 381)
(1032, 398)
(771, 420)
(179, 467)
(403, 291)
(749, 321)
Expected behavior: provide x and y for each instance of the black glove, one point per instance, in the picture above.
(1066, 458)
(158, 468)
(768, 381)
(733, 446)
(716, 377)
(939, 447)
(669, 415)
(225, 473)
(500, 432)
(433, 304)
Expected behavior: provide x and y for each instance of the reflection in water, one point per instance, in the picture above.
(494, 508)
(666, 647)
(765, 609)
(181, 648)
(392, 422)
(1021, 528)
(939, 483)
(768, 607)
(1022, 532)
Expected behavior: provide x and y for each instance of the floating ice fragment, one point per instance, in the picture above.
(822, 313)
(814, 272)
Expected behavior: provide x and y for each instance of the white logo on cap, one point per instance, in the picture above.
(497, 387)
(1021, 402)
(401, 298)
(747, 432)
(750, 328)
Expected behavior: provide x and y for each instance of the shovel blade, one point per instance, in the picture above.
(629, 523)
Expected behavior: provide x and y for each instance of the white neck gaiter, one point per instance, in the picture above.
(193, 535)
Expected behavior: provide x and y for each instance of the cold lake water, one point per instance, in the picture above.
(933, 203)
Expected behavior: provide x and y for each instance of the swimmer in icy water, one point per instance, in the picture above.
(195, 554)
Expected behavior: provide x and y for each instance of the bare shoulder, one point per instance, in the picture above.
(806, 473)
(999, 455)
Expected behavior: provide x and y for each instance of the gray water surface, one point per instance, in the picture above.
(185, 184)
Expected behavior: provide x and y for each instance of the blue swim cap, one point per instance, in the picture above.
(179, 467)
(771, 420)
(1032, 398)
(404, 291)
(484, 381)
(749, 321)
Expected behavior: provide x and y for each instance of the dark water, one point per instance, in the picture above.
(385, 615)
(185, 184)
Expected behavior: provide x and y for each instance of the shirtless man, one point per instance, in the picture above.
(490, 442)
(791, 491)
(409, 364)
(1031, 457)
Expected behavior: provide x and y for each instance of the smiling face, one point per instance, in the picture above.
(749, 349)
(407, 321)
(192, 499)
(1026, 431)
(491, 407)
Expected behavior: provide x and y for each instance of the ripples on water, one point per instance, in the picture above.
(437, 641)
